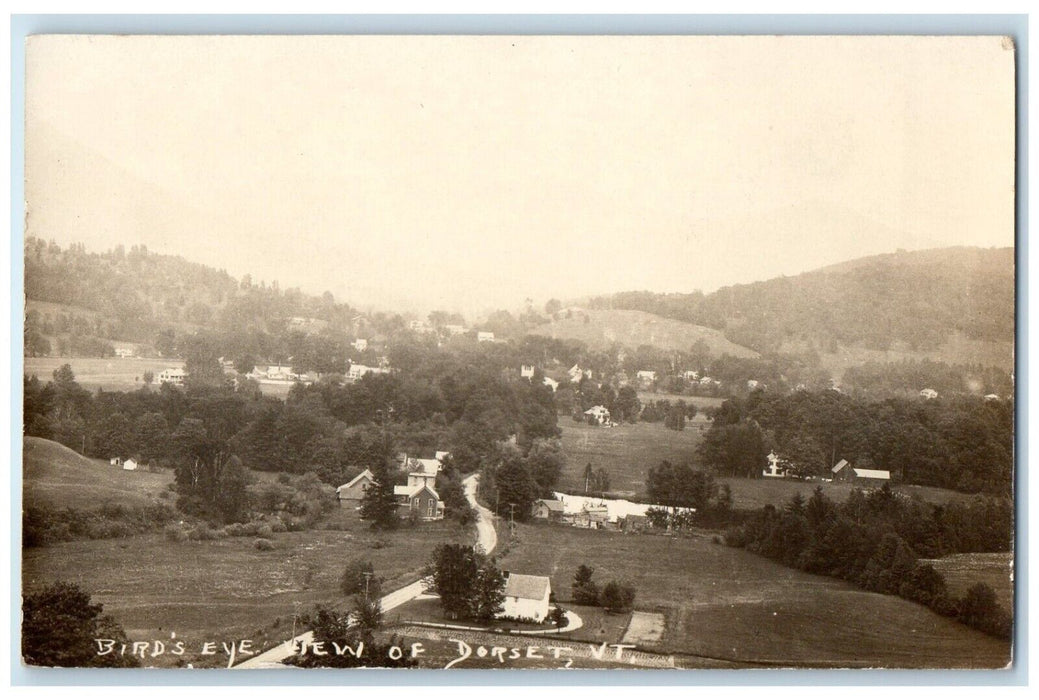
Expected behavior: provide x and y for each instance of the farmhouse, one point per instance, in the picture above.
(526, 597)
(422, 500)
(548, 509)
(484, 336)
(526, 371)
(646, 376)
(776, 469)
(130, 465)
(172, 375)
(598, 414)
(353, 490)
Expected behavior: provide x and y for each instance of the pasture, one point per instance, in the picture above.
(227, 589)
(626, 452)
(961, 571)
(56, 477)
(108, 373)
(752, 494)
(727, 605)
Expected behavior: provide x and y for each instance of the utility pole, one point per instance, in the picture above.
(512, 518)
(367, 577)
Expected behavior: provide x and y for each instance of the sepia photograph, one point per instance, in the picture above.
(518, 352)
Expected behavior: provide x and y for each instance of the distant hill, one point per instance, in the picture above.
(940, 303)
(56, 477)
(629, 328)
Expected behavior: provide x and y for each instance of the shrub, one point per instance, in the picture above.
(557, 616)
(265, 532)
(353, 579)
(175, 533)
(263, 545)
(617, 597)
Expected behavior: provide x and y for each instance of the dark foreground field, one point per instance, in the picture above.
(227, 589)
(724, 604)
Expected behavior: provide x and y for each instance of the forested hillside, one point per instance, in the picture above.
(912, 300)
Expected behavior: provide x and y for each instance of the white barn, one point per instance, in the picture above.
(526, 597)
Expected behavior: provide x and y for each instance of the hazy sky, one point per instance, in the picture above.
(412, 173)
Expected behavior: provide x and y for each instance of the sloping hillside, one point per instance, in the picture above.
(57, 477)
(917, 302)
(604, 328)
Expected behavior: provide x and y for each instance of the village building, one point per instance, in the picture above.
(548, 509)
(455, 329)
(576, 374)
(592, 516)
(172, 375)
(598, 414)
(357, 371)
(526, 371)
(116, 461)
(843, 471)
(691, 375)
(928, 394)
(776, 468)
(353, 490)
(130, 465)
(422, 500)
(360, 345)
(646, 376)
(124, 352)
(485, 337)
(551, 383)
(526, 597)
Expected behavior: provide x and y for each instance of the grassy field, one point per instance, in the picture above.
(108, 373)
(626, 452)
(227, 589)
(633, 328)
(962, 571)
(57, 477)
(724, 604)
(755, 493)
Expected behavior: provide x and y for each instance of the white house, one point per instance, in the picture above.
(548, 381)
(484, 336)
(576, 373)
(647, 376)
(526, 597)
(116, 461)
(928, 394)
(358, 371)
(124, 352)
(600, 414)
(172, 375)
(775, 468)
(130, 465)
(691, 375)
(526, 371)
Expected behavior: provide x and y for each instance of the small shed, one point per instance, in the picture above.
(526, 597)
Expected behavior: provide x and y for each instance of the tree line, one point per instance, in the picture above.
(877, 539)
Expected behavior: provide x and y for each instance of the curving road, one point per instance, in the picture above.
(486, 538)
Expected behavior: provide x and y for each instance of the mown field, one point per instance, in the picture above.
(756, 493)
(57, 477)
(626, 452)
(962, 571)
(108, 373)
(227, 589)
(725, 604)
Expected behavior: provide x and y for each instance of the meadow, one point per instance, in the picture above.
(728, 605)
(752, 494)
(626, 451)
(228, 589)
(961, 571)
(57, 477)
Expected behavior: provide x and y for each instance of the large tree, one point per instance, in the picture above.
(61, 626)
(469, 583)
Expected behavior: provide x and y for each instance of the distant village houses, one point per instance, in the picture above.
(172, 375)
(599, 415)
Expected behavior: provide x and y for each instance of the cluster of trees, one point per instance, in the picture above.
(908, 377)
(350, 639)
(875, 540)
(60, 626)
(959, 443)
(469, 582)
(914, 299)
(515, 479)
(615, 596)
(687, 497)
